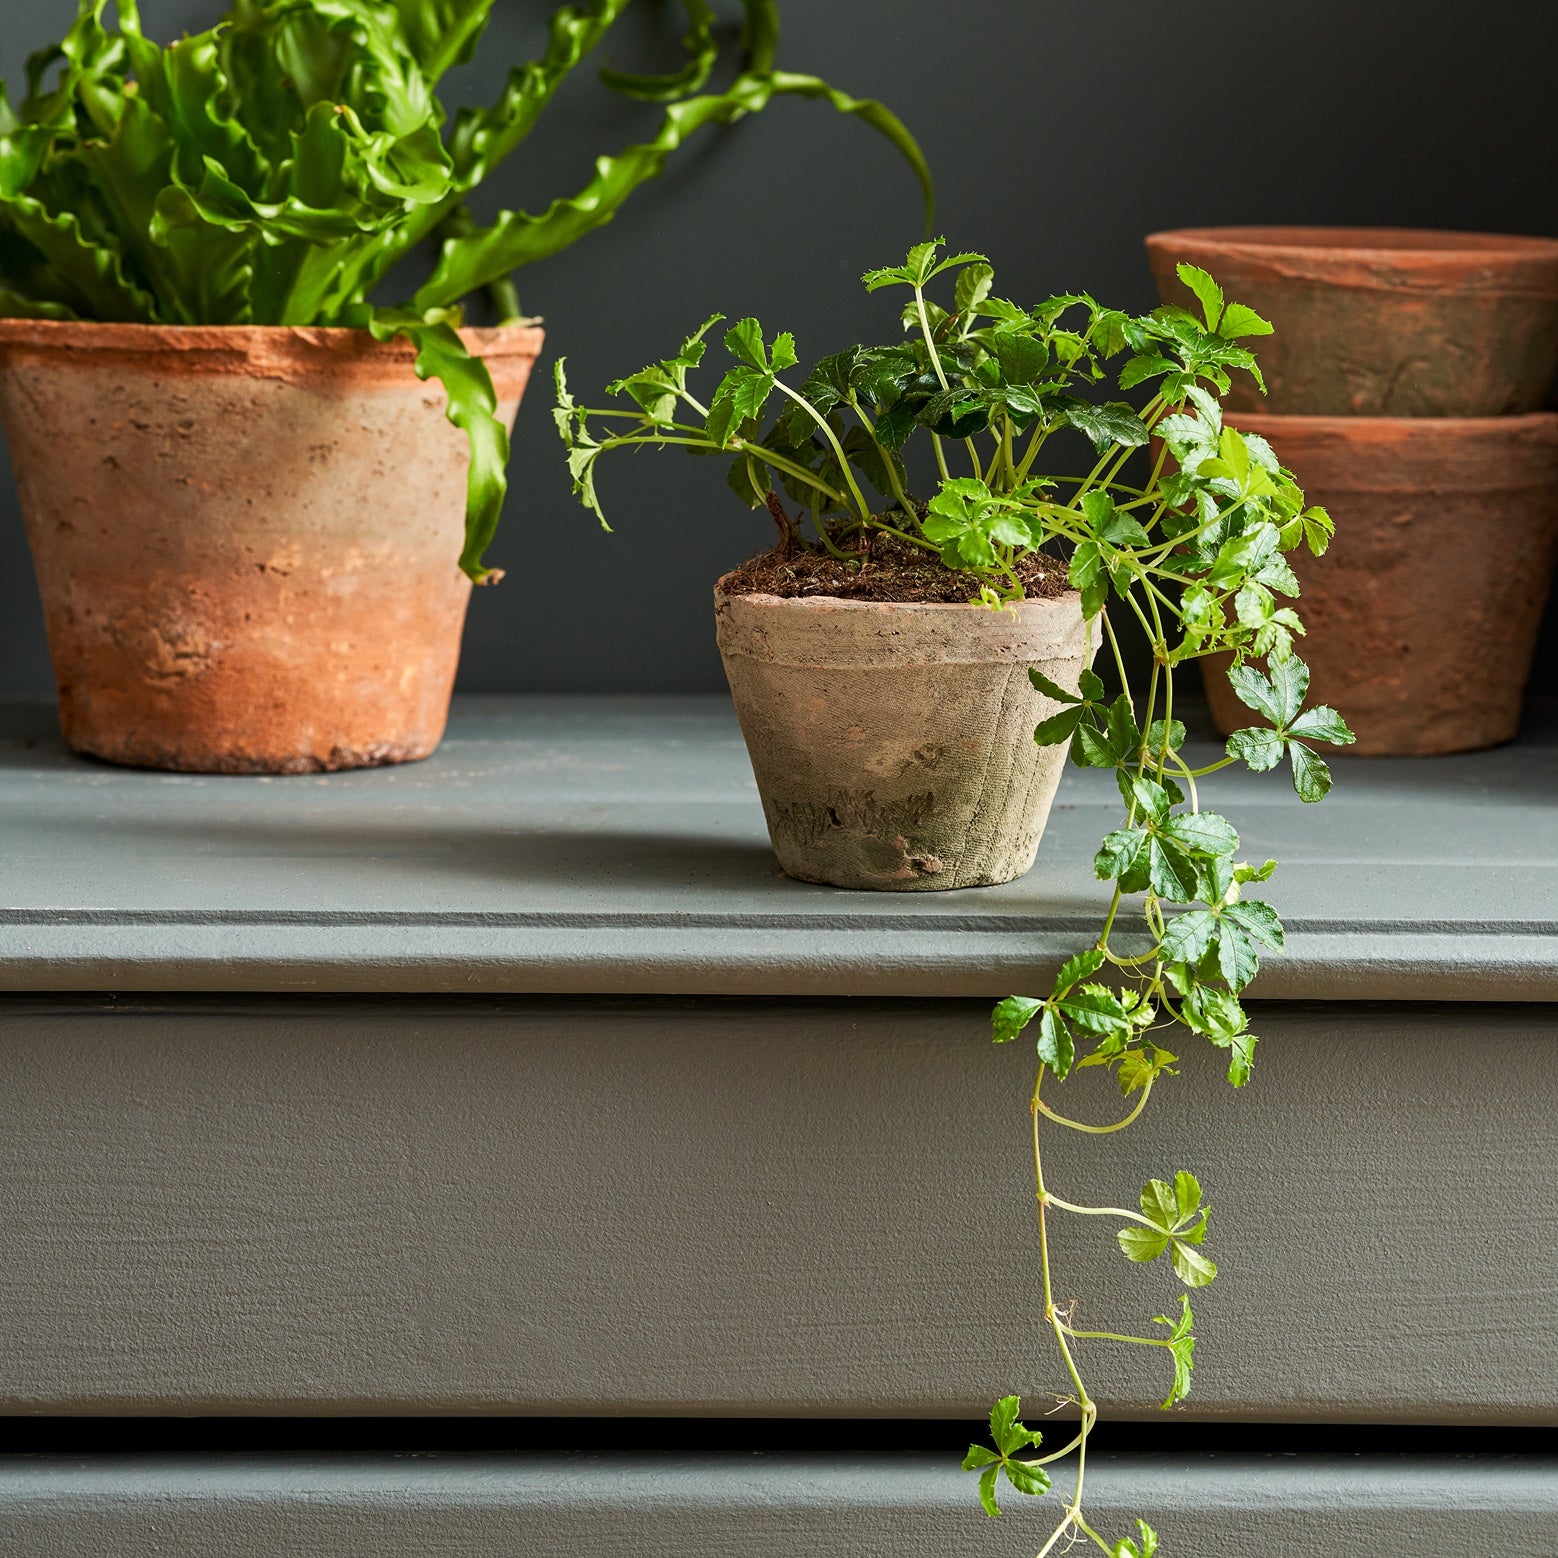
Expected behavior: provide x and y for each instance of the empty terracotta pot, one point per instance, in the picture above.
(1423, 614)
(1379, 321)
(893, 744)
(246, 538)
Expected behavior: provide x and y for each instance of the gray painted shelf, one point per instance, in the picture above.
(611, 845)
(758, 1506)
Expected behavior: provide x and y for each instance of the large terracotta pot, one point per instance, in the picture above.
(246, 538)
(893, 744)
(1379, 321)
(1423, 614)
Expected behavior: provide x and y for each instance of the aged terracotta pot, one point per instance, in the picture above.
(1423, 614)
(893, 744)
(245, 537)
(1378, 321)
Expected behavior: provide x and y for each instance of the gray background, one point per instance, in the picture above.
(1060, 132)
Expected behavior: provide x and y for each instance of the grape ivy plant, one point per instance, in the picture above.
(275, 169)
(1181, 524)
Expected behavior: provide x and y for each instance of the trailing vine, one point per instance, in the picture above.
(1183, 524)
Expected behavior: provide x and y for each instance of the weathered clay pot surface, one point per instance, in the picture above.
(1423, 614)
(893, 744)
(246, 538)
(1382, 321)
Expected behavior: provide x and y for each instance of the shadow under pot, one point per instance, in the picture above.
(893, 743)
(1380, 321)
(246, 537)
(1423, 615)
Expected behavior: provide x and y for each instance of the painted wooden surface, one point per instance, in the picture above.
(912, 1506)
(588, 1207)
(597, 845)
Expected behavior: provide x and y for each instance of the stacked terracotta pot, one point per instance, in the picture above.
(1405, 375)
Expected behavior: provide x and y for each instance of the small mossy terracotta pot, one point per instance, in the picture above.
(893, 744)
(1423, 615)
(246, 538)
(1373, 321)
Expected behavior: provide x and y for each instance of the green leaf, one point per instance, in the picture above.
(1208, 294)
(1201, 833)
(1007, 1433)
(1011, 1016)
(1058, 728)
(741, 396)
(1322, 723)
(1094, 1009)
(1057, 1048)
(1075, 969)
(1121, 851)
(1191, 1267)
(1241, 1055)
(473, 407)
(987, 1480)
(1257, 746)
(1147, 1546)
(1239, 321)
(1213, 1012)
(1141, 368)
(1009, 1436)
(1170, 871)
(1052, 689)
(1237, 959)
(1027, 1478)
(1138, 1067)
(1187, 1194)
(702, 52)
(973, 286)
(744, 341)
(1188, 936)
(1141, 1244)
(1258, 919)
(1311, 776)
(1159, 1204)
(1108, 425)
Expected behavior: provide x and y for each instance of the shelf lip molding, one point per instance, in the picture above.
(616, 846)
(767, 1507)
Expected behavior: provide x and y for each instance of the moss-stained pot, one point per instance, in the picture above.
(1423, 615)
(246, 537)
(1380, 321)
(893, 743)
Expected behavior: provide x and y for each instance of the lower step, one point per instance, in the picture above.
(758, 1506)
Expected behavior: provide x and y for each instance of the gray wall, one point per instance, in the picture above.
(1061, 131)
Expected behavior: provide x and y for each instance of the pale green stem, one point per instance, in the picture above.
(862, 507)
(1095, 1130)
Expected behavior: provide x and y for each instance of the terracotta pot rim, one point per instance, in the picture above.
(1030, 607)
(1417, 246)
(1524, 424)
(522, 338)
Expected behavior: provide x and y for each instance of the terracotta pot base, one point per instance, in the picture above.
(246, 539)
(1423, 615)
(893, 743)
